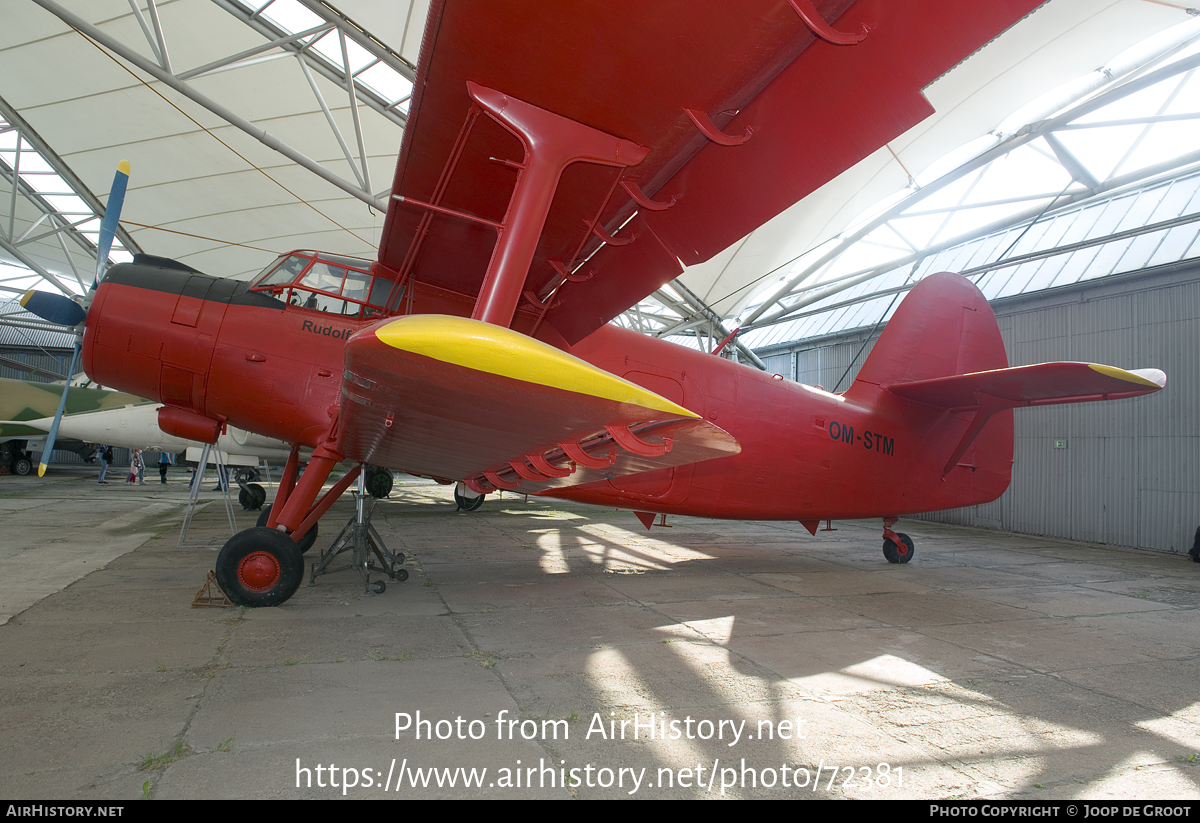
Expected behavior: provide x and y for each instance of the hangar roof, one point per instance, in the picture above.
(196, 92)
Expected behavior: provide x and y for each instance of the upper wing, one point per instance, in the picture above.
(634, 70)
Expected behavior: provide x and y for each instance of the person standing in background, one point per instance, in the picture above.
(105, 456)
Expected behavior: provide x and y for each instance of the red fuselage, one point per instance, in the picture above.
(217, 350)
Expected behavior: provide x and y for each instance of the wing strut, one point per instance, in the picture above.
(551, 144)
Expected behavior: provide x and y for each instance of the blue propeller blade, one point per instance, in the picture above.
(112, 216)
(62, 404)
(54, 306)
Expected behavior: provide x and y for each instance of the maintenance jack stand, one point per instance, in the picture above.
(360, 537)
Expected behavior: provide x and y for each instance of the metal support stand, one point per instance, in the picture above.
(359, 536)
(194, 495)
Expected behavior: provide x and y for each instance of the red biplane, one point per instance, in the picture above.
(562, 161)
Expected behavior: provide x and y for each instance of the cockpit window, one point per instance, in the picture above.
(338, 285)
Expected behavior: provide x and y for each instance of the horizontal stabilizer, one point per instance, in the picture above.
(1036, 385)
(458, 399)
(1042, 384)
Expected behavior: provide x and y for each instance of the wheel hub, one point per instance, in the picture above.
(259, 571)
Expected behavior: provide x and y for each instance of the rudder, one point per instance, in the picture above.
(944, 326)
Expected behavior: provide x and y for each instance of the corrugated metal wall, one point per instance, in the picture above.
(1128, 473)
(51, 360)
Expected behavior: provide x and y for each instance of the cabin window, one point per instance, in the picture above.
(337, 285)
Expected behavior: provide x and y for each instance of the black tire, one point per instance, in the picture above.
(259, 567)
(21, 466)
(379, 587)
(378, 482)
(401, 575)
(468, 504)
(250, 501)
(892, 552)
(305, 544)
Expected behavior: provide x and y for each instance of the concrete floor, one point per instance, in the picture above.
(991, 666)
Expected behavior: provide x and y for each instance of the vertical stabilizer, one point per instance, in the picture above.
(944, 326)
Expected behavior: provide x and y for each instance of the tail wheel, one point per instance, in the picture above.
(896, 554)
(304, 545)
(259, 567)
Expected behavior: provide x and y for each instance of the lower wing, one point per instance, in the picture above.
(458, 399)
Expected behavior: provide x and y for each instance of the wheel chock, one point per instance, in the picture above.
(211, 595)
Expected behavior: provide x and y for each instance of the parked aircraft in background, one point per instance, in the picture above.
(136, 427)
(22, 403)
(106, 416)
(537, 198)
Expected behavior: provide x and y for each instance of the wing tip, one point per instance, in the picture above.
(1143, 377)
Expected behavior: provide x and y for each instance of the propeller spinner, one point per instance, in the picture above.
(63, 311)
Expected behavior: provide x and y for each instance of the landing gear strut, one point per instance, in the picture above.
(251, 495)
(359, 536)
(897, 546)
(305, 543)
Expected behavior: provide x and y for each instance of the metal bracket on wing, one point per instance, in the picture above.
(541, 467)
(539, 462)
(709, 129)
(561, 269)
(639, 197)
(537, 302)
(813, 19)
(630, 442)
(494, 479)
(598, 230)
(582, 458)
(474, 485)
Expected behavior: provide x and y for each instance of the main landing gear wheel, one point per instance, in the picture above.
(21, 466)
(259, 567)
(379, 482)
(251, 497)
(305, 544)
(463, 497)
(894, 554)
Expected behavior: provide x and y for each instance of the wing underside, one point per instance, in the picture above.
(742, 109)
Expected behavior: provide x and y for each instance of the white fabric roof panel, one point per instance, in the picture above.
(95, 110)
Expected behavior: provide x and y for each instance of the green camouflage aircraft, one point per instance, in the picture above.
(23, 400)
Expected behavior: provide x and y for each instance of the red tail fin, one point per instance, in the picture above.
(944, 326)
(940, 372)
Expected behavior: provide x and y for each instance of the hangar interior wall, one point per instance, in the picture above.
(1121, 473)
